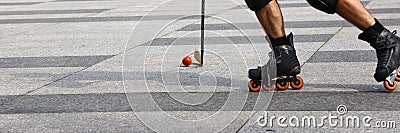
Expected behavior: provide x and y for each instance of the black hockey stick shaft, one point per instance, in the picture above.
(203, 2)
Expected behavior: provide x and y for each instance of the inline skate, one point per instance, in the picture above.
(287, 67)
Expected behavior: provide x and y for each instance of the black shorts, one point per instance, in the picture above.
(254, 5)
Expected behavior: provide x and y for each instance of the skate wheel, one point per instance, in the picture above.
(282, 85)
(253, 86)
(268, 88)
(398, 78)
(298, 84)
(389, 87)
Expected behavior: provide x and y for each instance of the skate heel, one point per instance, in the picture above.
(398, 74)
(390, 82)
(256, 80)
(255, 74)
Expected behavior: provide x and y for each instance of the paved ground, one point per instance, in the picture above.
(114, 66)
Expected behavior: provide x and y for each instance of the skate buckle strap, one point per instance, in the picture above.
(386, 40)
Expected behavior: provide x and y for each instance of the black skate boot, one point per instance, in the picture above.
(286, 59)
(387, 46)
(288, 65)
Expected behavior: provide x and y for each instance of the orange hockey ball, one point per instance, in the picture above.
(186, 61)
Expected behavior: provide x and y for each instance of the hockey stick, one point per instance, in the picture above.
(202, 30)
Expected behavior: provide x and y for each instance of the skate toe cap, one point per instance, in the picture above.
(381, 74)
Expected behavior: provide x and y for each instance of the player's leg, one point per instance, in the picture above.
(387, 44)
(354, 12)
(351, 10)
(270, 17)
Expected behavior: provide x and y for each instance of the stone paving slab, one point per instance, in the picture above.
(83, 122)
(114, 66)
(18, 81)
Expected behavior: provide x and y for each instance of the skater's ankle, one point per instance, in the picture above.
(371, 33)
(279, 41)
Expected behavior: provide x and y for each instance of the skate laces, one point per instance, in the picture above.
(388, 40)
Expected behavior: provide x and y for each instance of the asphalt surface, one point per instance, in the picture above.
(115, 66)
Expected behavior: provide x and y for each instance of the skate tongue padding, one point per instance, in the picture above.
(384, 40)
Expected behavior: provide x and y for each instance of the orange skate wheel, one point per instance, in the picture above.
(297, 84)
(253, 87)
(397, 78)
(282, 85)
(268, 88)
(390, 87)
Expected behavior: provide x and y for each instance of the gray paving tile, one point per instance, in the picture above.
(233, 40)
(281, 101)
(73, 122)
(238, 123)
(19, 3)
(289, 5)
(116, 102)
(344, 56)
(52, 12)
(282, 5)
(384, 10)
(96, 19)
(288, 24)
(203, 121)
(65, 61)
(78, 0)
(18, 81)
(67, 104)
